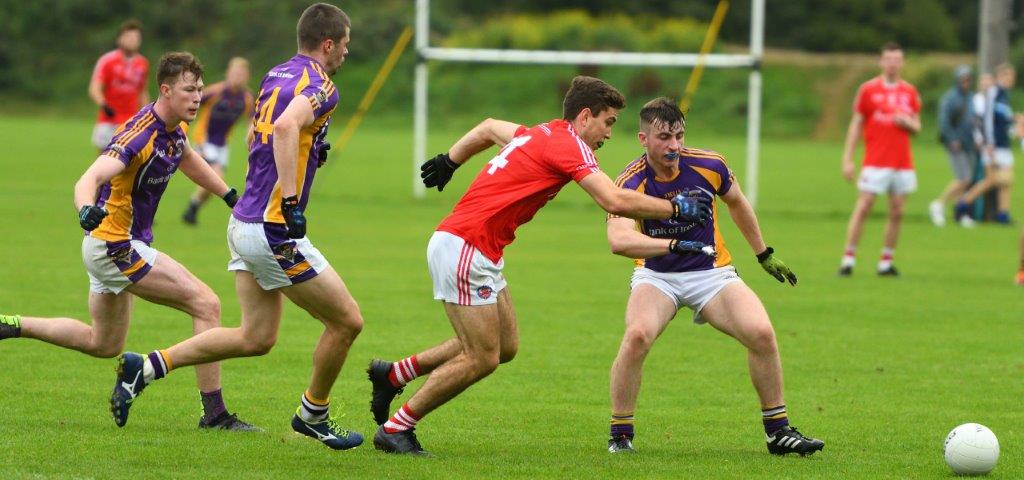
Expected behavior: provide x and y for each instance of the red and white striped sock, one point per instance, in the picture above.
(403, 371)
(404, 419)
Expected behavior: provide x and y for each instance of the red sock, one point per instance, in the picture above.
(403, 371)
(403, 419)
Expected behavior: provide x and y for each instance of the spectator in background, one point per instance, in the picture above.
(118, 84)
(997, 122)
(956, 132)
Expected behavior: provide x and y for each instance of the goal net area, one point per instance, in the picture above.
(511, 72)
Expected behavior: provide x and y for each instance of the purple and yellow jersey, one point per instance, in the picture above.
(300, 76)
(151, 154)
(701, 172)
(218, 113)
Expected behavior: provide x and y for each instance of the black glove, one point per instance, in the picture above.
(692, 209)
(90, 217)
(107, 110)
(231, 198)
(321, 154)
(437, 171)
(293, 217)
(691, 247)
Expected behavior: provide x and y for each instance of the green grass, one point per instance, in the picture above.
(881, 369)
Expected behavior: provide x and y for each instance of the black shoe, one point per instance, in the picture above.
(398, 442)
(383, 391)
(788, 440)
(620, 444)
(845, 271)
(228, 421)
(889, 272)
(189, 217)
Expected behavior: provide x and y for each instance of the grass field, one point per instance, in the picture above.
(881, 369)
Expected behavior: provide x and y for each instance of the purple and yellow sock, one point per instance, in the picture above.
(160, 362)
(213, 404)
(622, 425)
(312, 409)
(774, 418)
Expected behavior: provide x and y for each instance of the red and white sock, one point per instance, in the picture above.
(885, 262)
(403, 371)
(404, 419)
(849, 256)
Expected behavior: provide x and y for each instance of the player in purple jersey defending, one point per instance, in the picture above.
(665, 281)
(223, 104)
(117, 198)
(270, 254)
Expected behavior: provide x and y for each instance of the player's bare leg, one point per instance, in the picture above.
(738, 312)
(647, 314)
(481, 353)
(897, 203)
(199, 197)
(1004, 182)
(1020, 270)
(105, 338)
(389, 378)
(854, 229)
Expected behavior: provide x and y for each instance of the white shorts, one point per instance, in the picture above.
(879, 180)
(274, 260)
(112, 266)
(102, 134)
(687, 289)
(1001, 157)
(214, 154)
(461, 274)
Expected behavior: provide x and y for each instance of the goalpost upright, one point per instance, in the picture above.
(751, 60)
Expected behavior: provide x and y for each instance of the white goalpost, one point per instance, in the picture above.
(751, 60)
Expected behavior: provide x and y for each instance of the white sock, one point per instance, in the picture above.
(148, 373)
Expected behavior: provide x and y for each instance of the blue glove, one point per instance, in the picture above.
(691, 247)
(691, 209)
(293, 217)
(90, 217)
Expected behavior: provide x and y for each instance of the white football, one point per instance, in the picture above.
(972, 449)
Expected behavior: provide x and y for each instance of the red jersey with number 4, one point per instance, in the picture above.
(886, 144)
(122, 80)
(522, 178)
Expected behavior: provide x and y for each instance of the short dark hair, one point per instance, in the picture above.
(664, 110)
(592, 93)
(890, 46)
(130, 24)
(173, 64)
(319, 22)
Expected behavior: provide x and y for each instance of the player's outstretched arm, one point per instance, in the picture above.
(743, 215)
(200, 172)
(487, 133)
(624, 202)
(438, 171)
(626, 241)
(852, 136)
(101, 171)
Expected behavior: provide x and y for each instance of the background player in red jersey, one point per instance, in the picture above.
(663, 281)
(886, 111)
(118, 84)
(465, 253)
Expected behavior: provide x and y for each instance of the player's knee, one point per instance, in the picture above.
(508, 352)
(762, 338)
(109, 350)
(255, 345)
(206, 309)
(639, 340)
(896, 212)
(485, 362)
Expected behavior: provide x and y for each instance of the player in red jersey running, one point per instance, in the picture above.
(887, 111)
(465, 253)
(118, 84)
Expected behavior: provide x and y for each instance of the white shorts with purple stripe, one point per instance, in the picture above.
(461, 274)
(112, 266)
(274, 260)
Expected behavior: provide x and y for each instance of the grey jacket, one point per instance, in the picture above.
(956, 118)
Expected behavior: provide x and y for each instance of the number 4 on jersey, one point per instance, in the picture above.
(501, 159)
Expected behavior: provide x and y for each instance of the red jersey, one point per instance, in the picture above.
(123, 80)
(886, 144)
(521, 179)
